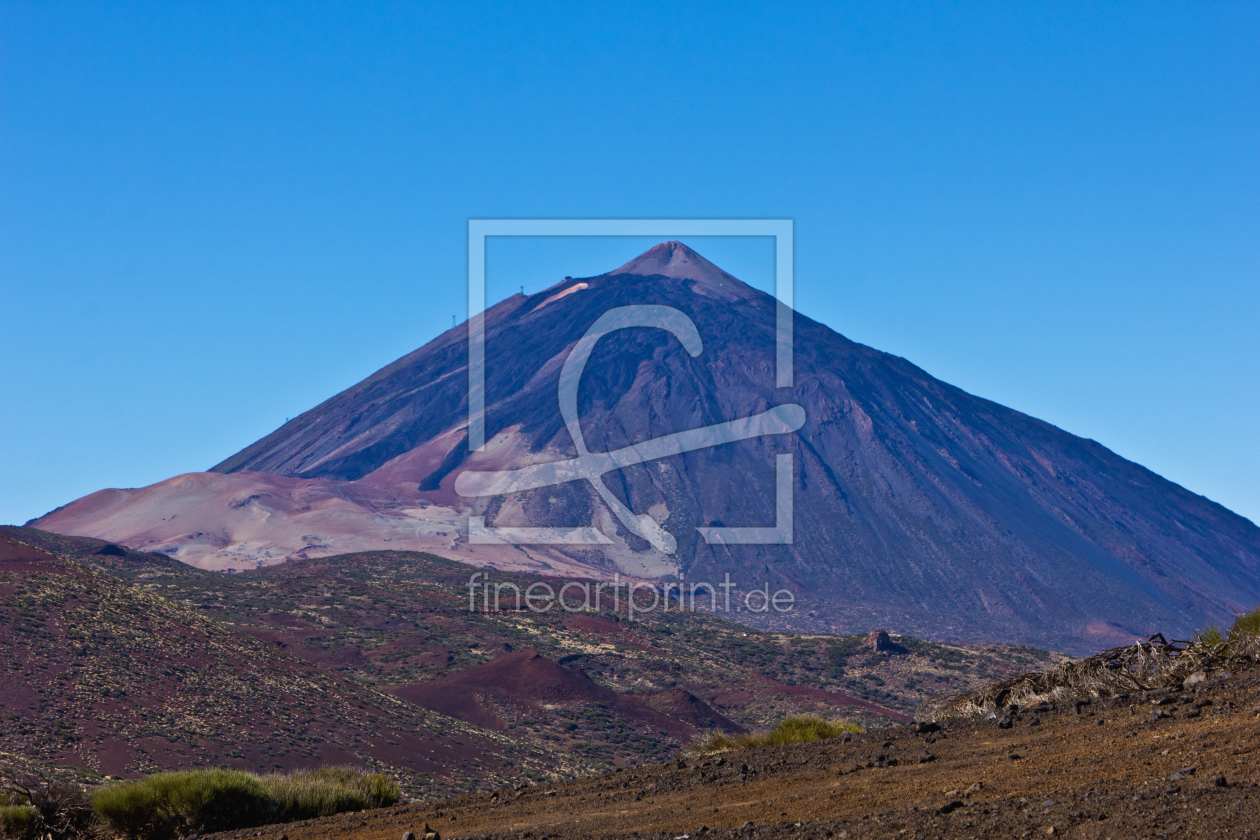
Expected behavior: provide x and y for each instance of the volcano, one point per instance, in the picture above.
(915, 505)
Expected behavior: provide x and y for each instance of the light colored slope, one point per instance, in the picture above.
(248, 519)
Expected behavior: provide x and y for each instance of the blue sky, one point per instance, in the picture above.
(214, 216)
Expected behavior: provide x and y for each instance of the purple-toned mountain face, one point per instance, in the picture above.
(917, 506)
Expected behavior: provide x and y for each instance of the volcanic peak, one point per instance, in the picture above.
(674, 259)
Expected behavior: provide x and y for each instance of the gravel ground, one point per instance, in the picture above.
(1174, 763)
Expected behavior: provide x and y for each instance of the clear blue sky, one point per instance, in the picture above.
(213, 216)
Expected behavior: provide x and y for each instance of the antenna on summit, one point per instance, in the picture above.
(452, 321)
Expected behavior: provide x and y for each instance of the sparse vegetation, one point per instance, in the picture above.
(168, 805)
(792, 730)
(383, 619)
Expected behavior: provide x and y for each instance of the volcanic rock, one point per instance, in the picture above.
(877, 641)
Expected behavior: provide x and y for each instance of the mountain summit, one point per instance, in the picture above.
(676, 260)
(917, 506)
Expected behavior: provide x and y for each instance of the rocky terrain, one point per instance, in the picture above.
(120, 662)
(588, 690)
(1168, 763)
(917, 507)
(116, 680)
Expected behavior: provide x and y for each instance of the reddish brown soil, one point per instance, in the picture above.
(16, 557)
(835, 699)
(685, 706)
(1108, 769)
(525, 679)
(100, 675)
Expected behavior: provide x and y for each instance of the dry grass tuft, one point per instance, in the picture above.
(793, 730)
(1246, 627)
(165, 806)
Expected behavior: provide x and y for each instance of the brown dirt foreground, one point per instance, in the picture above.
(1167, 763)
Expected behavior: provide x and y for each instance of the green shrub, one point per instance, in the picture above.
(1210, 636)
(217, 800)
(1246, 625)
(168, 805)
(16, 821)
(133, 809)
(793, 730)
(1242, 635)
(305, 794)
(382, 790)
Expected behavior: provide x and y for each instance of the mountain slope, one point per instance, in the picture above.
(917, 506)
(522, 682)
(561, 692)
(114, 678)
